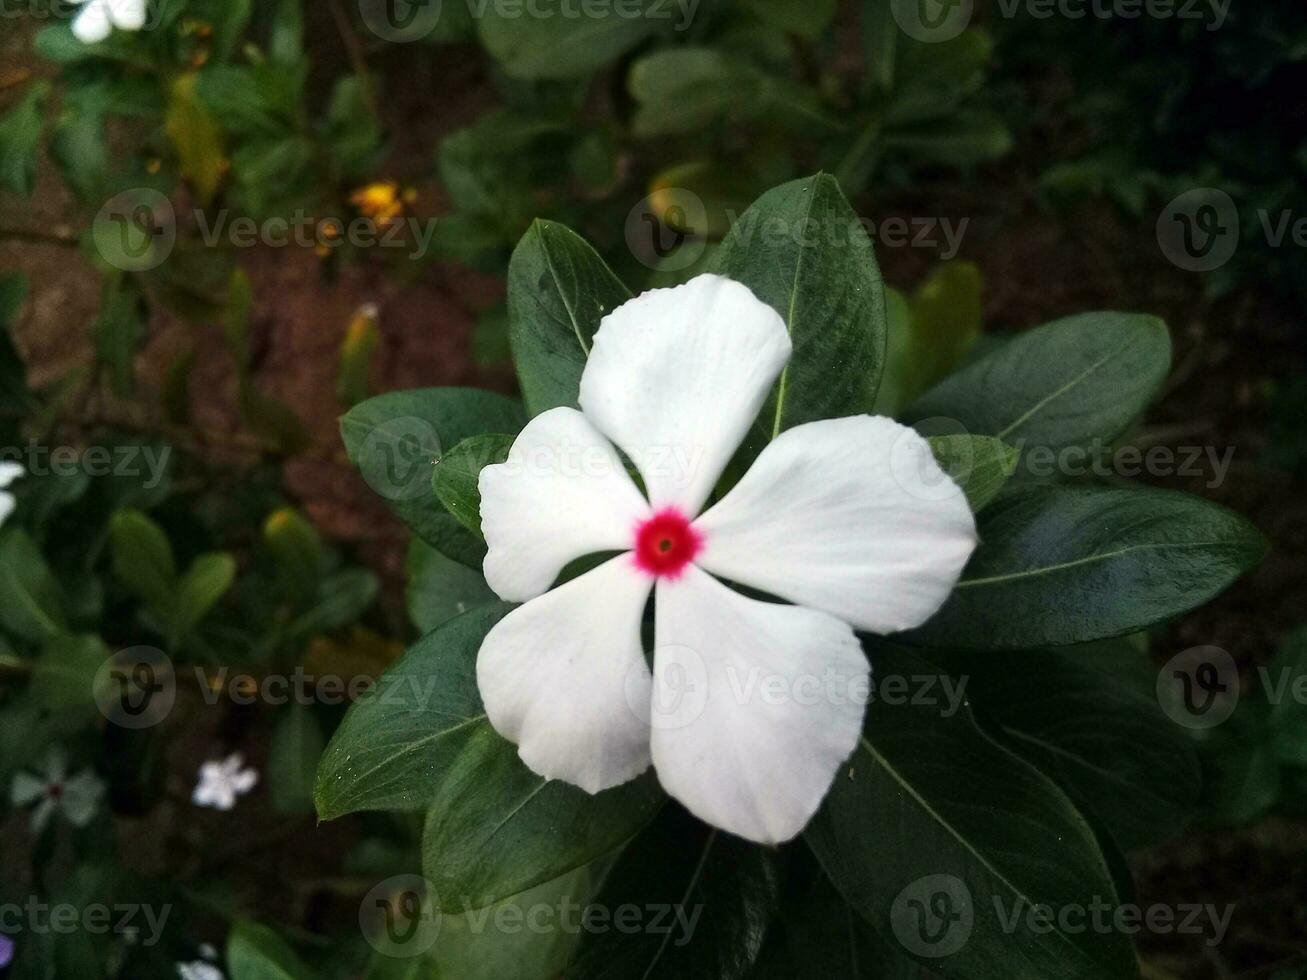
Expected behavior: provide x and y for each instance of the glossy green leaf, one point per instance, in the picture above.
(1068, 383)
(457, 472)
(980, 465)
(526, 937)
(143, 559)
(716, 894)
(395, 440)
(397, 742)
(802, 250)
(558, 291)
(439, 588)
(495, 827)
(1063, 565)
(979, 837)
(1089, 719)
(421, 739)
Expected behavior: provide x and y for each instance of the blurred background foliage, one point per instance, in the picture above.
(1059, 139)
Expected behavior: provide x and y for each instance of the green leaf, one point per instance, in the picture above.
(880, 37)
(718, 894)
(342, 598)
(807, 20)
(20, 141)
(687, 89)
(1062, 565)
(206, 581)
(529, 945)
(802, 250)
(396, 742)
(980, 465)
(197, 138)
(1067, 383)
(816, 935)
(143, 560)
(421, 739)
(1285, 682)
(440, 588)
(65, 674)
(929, 333)
(31, 601)
(395, 440)
(496, 828)
(297, 744)
(975, 829)
(558, 291)
(553, 44)
(118, 330)
(255, 952)
(1089, 719)
(458, 470)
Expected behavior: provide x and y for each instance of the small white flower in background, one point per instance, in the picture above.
(76, 798)
(99, 17)
(823, 519)
(9, 472)
(199, 970)
(6, 951)
(222, 782)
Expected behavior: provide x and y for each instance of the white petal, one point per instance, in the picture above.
(26, 789)
(127, 15)
(563, 493)
(677, 376)
(755, 706)
(244, 781)
(851, 516)
(81, 798)
(9, 472)
(560, 676)
(92, 25)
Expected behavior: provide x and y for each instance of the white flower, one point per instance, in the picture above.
(824, 519)
(9, 472)
(99, 17)
(76, 798)
(199, 970)
(222, 782)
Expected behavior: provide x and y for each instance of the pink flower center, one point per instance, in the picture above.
(55, 791)
(666, 543)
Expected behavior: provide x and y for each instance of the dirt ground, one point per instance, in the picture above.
(1037, 266)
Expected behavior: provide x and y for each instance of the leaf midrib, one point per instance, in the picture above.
(966, 845)
(1058, 393)
(1087, 560)
(782, 385)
